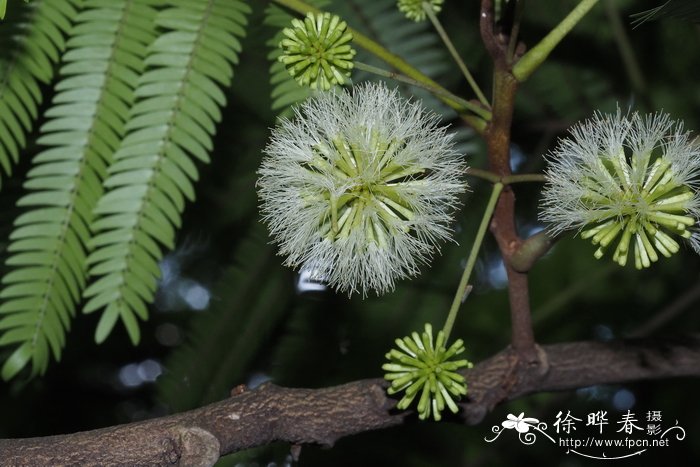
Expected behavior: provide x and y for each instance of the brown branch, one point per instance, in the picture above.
(497, 136)
(503, 228)
(488, 35)
(322, 416)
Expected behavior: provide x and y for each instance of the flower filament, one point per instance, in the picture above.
(370, 192)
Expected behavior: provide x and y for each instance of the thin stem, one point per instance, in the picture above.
(476, 246)
(515, 30)
(623, 43)
(520, 178)
(506, 180)
(484, 175)
(441, 92)
(450, 46)
(534, 58)
(488, 36)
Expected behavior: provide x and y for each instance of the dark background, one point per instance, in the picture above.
(227, 312)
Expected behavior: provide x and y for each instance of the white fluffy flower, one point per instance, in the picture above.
(629, 177)
(358, 189)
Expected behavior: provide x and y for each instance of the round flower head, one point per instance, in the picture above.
(421, 365)
(628, 183)
(413, 9)
(359, 188)
(317, 51)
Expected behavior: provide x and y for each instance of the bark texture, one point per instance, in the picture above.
(322, 416)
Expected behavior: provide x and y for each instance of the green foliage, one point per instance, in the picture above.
(85, 125)
(179, 104)
(30, 46)
(130, 115)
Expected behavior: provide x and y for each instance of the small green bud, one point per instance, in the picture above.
(423, 365)
(317, 51)
(413, 9)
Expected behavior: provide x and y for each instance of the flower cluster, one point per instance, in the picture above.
(626, 182)
(413, 9)
(359, 188)
(317, 51)
(421, 366)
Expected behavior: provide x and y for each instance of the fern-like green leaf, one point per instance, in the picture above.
(86, 122)
(33, 45)
(179, 103)
(285, 90)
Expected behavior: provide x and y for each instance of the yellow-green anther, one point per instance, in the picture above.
(673, 203)
(410, 349)
(334, 213)
(666, 242)
(317, 51)
(657, 170)
(588, 233)
(609, 235)
(647, 246)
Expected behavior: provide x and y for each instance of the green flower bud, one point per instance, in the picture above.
(421, 366)
(317, 51)
(413, 9)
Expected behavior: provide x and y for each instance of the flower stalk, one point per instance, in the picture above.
(507, 179)
(539, 53)
(439, 92)
(429, 11)
(461, 293)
